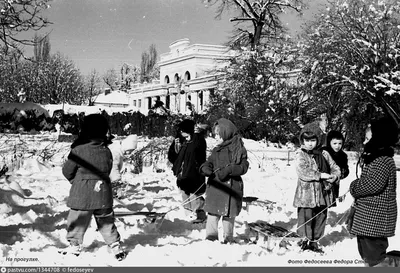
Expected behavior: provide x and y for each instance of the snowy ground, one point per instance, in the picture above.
(31, 230)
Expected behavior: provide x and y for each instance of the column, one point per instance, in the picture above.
(195, 101)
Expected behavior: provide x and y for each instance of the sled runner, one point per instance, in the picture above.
(393, 258)
(150, 214)
(263, 232)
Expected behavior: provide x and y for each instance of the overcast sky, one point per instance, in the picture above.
(103, 34)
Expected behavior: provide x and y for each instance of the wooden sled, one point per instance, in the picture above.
(153, 216)
(261, 232)
(248, 200)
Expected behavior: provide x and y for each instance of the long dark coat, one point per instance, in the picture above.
(193, 154)
(224, 192)
(87, 169)
(375, 195)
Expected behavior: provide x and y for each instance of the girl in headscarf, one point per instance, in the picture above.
(375, 193)
(224, 192)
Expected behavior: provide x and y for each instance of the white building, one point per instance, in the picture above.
(187, 75)
(112, 99)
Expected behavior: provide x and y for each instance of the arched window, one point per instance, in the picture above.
(176, 78)
(166, 80)
(187, 76)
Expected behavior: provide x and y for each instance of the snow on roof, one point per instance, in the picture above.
(48, 109)
(114, 97)
(76, 109)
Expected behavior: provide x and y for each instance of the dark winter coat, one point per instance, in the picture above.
(88, 168)
(186, 164)
(341, 160)
(225, 166)
(375, 196)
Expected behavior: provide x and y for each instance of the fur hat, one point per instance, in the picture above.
(313, 128)
(187, 126)
(384, 132)
(129, 143)
(94, 126)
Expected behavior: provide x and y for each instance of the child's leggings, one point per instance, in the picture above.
(78, 222)
(315, 228)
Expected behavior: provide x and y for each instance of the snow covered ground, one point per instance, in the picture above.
(33, 228)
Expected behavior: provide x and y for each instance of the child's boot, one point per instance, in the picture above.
(303, 244)
(118, 251)
(73, 248)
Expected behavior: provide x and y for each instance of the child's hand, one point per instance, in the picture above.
(177, 145)
(326, 176)
(331, 180)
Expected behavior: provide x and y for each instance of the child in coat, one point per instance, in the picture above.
(224, 192)
(187, 152)
(335, 141)
(316, 171)
(118, 150)
(87, 169)
(374, 193)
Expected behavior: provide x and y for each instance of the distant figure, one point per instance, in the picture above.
(375, 193)
(317, 173)
(21, 96)
(87, 169)
(187, 152)
(224, 168)
(119, 149)
(334, 147)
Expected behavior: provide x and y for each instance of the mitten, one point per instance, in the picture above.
(207, 171)
(224, 173)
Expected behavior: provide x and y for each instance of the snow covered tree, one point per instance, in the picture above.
(17, 17)
(353, 57)
(259, 92)
(259, 18)
(129, 74)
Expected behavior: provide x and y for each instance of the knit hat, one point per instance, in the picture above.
(129, 143)
(187, 126)
(314, 128)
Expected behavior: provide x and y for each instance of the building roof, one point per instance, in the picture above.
(114, 97)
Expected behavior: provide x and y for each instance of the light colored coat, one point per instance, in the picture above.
(309, 187)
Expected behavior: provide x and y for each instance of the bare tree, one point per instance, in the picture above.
(110, 78)
(19, 16)
(92, 83)
(263, 15)
(41, 48)
(148, 63)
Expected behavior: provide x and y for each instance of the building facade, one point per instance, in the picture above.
(187, 76)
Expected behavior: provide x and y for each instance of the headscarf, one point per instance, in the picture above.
(231, 139)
